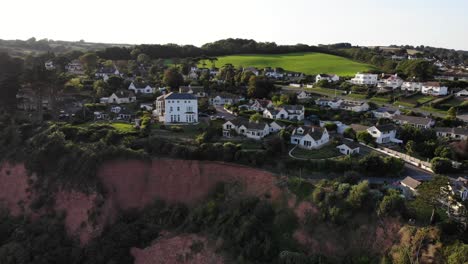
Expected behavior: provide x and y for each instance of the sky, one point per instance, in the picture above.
(360, 22)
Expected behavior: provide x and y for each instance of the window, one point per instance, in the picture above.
(170, 109)
(178, 108)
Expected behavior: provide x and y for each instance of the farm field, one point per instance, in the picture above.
(308, 63)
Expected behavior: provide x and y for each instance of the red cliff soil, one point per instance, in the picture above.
(14, 188)
(180, 249)
(134, 184)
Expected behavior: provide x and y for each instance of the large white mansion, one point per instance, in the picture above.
(177, 108)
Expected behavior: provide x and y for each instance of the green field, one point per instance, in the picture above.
(308, 63)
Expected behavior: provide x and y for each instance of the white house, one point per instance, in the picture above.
(198, 91)
(177, 108)
(411, 86)
(290, 112)
(223, 99)
(277, 126)
(340, 127)
(310, 137)
(349, 148)
(355, 106)
(146, 106)
(273, 73)
(106, 72)
(452, 132)
(415, 121)
(252, 69)
(365, 79)
(258, 105)
(393, 81)
(119, 97)
(434, 88)
(384, 134)
(409, 186)
(49, 65)
(138, 88)
(385, 112)
(327, 77)
(249, 129)
(304, 95)
(332, 103)
(462, 93)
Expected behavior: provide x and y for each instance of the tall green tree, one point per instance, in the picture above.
(10, 70)
(173, 78)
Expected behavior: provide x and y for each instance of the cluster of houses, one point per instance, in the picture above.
(343, 104)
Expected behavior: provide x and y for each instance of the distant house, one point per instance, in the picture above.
(224, 98)
(310, 137)
(385, 112)
(434, 88)
(358, 127)
(258, 105)
(409, 187)
(290, 112)
(125, 115)
(75, 67)
(415, 121)
(139, 88)
(327, 77)
(146, 106)
(452, 133)
(349, 148)
(120, 97)
(49, 65)
(249, 129)
(276, 73)
(100, 116)
(340, 127)
(106, 72)
(177, 108)
(365, 79)
(252, 69)
(296, 85)
(462, 93)
(304, 95)
(384, 134)
(332, 103)
(198, 91)
(459, 187)
(277, 126)
(355, 106)
(392, 81)
(411, 86)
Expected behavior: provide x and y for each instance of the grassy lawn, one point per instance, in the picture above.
(356, 96)
(433, 110)
(379, 100)
(123, 127)
(328, 151)
(187, 132)
(405, 104)
(324, 91)
(308, 63)
(422, 99)
(454, 102)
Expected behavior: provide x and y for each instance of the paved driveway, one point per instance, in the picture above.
(222, 112)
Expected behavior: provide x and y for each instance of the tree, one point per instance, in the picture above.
(410, 146)
(349, 133)
(143, 58)
(429, 192)
(452, 113)
(89, 61)
(173, 78)
(10, 70)
(391, 203)
(255, 117)
(358, 194)
(365, 137)
(259, 87)
(331, 126)
(441, 165)
(457, 253)
(420, 69)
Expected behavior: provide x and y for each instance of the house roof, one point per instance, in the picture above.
(314, 131)
(293, 107)
(385, 110)
(386, 128)
(263, 102)
(432, 84)
(411, 182)
(418, 120)
(124, 93)
(351, 144)
(248, 124)
(180, 96)
(358, 127)
(453, 130)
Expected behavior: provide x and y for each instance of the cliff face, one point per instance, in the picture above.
(134, 184)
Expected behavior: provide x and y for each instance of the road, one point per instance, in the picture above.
(418, 110)
(222, 112)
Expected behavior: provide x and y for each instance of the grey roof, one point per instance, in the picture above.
(385, 110)
(351, 144)
(180, 96)
(248, 124)
(413, 119)
(124, 93)
(453, 130)
(411, 182)
(314, 131)
(293, 107)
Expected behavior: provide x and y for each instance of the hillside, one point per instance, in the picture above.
(308, 62)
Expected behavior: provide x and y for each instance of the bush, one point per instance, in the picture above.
(441, 165)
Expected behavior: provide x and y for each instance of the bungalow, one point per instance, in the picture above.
(434, 88)
(119, 97)
(304, 95)
(384, 134)
(414, 121)
(249, 129)
(327, 77)
(139, 88)
(462, 93)
(452, 133)
(409, 186)
(223, 99)
(290, 112)
(411, 86)
(332, 103)
(310, 137)
(355, 106)
(277, 126)
(106, 72)
(365, 79)
(349, 148)
(385, 112)
(258, 105)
